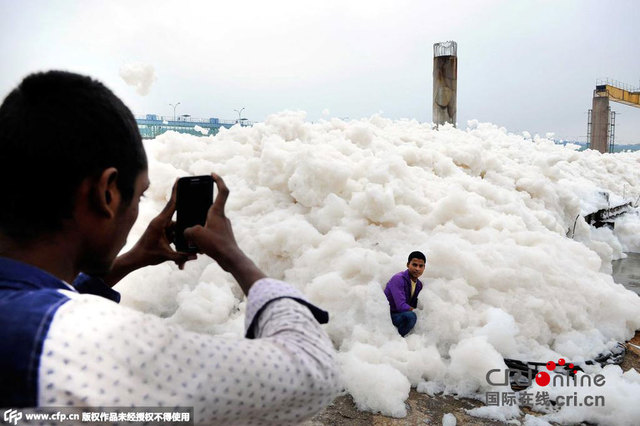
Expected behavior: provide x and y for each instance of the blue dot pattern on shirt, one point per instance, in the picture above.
(98, 353)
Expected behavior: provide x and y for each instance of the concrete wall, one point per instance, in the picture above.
(600, 124)
(445, 86)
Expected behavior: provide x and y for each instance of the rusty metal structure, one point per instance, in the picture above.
(445, 82)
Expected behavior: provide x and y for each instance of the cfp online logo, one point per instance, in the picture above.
(12, 416)
(542, 378)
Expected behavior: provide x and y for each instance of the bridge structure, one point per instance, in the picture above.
(152, 125)
(602, 121)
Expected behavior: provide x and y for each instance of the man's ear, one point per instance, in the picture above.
(106, 195)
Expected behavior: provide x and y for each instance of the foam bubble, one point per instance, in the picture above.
(141, 76)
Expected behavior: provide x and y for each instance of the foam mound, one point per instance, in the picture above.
(334, 208)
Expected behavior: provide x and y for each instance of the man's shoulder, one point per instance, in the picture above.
(402, 274)
(26, 314)
(14, 299)
(398, 278)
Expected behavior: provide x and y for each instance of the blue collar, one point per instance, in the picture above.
(17, 275)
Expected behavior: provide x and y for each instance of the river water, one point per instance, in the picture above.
(627, 272)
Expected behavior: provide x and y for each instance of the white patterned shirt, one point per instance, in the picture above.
(98, 353)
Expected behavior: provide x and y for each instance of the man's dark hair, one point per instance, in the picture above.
(417, 255)
(56, 129)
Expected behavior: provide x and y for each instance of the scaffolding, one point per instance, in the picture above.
(612, 131)
(589, 113)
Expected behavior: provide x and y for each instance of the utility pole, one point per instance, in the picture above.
(239, 115)
(174, 110)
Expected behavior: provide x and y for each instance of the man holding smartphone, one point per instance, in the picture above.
(72, 171)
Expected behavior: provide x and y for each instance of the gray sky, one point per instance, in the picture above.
(524, 65)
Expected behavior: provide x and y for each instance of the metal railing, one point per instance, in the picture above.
(616, 83)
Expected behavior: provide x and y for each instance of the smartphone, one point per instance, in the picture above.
(194, 196)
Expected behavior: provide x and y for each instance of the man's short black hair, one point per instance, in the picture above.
(56, 129)
(416, 255)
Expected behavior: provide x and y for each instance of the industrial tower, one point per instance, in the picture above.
(602, 121)
(445, 82)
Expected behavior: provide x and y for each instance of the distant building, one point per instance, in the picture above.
(152, 125)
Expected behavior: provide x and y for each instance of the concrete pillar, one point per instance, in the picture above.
(600, 124)
(445, 82)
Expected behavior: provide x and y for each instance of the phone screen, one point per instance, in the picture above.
(193, 198)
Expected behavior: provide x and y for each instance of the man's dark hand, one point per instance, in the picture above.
(153, 247)
(216, 240)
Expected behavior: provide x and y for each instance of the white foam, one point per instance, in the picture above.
(334, 207)
(449, 420)
(201, 130)
(141, 76)
(501, 414)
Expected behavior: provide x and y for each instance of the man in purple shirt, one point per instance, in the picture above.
(402, 292)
